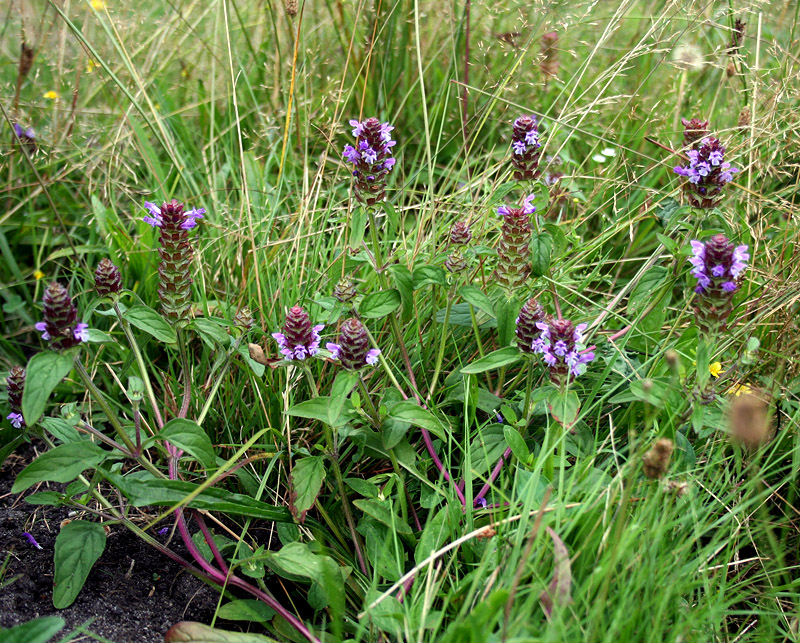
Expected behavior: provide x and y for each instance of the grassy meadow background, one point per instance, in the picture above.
(241, 108)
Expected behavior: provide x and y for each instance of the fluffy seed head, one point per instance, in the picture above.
(656, 460)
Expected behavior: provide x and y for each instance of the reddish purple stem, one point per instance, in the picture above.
(495, 472)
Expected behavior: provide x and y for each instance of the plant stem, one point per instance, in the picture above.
(442, 342)
(187, 383)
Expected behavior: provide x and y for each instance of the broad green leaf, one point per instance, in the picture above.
(317, 408)
(437, 531)
(416, 415)
(39, 630)
(358, 224)
(381, 510)
(148, 320)
(379, 304)
(541, 250)
(475, 296)
(62, 430)
(560, 241)
(190, 437)
(61, 464)
(192, 632)
(497, 359)
(9, 447)
(563, 407)
(246, 609)
(166, 493)
(425, 275)
(45, 370)
(517, 443)
(461, 315)
(99, 337)
(405, 286)
(78, 546)
(669, 244)
(307, 477)
(212, 331)
(642, 294)
(487, 447)
(51, 498)
(344, 383)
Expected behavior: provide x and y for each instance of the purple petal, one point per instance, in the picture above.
(334, 349)
(31, 540)
(42, 328)
(16, 420)
(81, 332)
(372, 356)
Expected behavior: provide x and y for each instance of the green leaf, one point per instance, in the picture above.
(642, 294)
(211, 330)
(475, 296)
(497, 359)
(78, 546)
(246, 609)
(381, 510)
(358, 224)
(541, 249)
(307, 477)
(148, 320)
(379, 304)
(39, 630)
(62, 464)
(666, 210)
(564, 407)
(405, 286)
(51, 498)
(425, 275)
(99, 337)
(437, 531)
(166, 493)
(416, 415)
(192, 632)
(560, 241)
(517, 443)
(317, 408)
(45, 370)
(669, 244)
(61, 430)
(190, 437)
(344, 383)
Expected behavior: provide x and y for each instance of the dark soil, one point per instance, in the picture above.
(134, 594)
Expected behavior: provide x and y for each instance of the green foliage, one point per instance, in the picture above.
(78, 546)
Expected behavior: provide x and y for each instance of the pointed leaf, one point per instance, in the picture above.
(148, 320)
(541, 249)
(78, 546)
(190, 437)
(416, 415)
(61, 464)
(379, 304)
(558, 591)
(497, 359)
(45, 370)
(192, 632)
(307, 477)
(39, 630)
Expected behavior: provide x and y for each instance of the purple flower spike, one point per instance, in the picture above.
(525, 148)
(61, 326)
(15, 386)
(353, 350)
(31, 540)
(561, 346)
(718, 266)
(372, 159)
(299, 338)
(707, 172)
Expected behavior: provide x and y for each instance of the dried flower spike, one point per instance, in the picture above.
(656, 460)
(737, 34)
(717, 266)
(707, 172)
(353, 349)
(560, 344)
(299, 338)
(513, 264)
(15, 385)
(525, 148)
(549, 64)
(107, 280)
(372, 159)
(456, 262)
(61, 326)
(527, 332)
(175, 287)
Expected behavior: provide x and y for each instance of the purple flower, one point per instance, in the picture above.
(707, 172)
(163, 531)
(189, 217)
(352, 349)
(16, 420)
(561, 347)
(299, 338)
(42, 328)
(525, 148)
(31, 540)
(371, 157)
(81, 332)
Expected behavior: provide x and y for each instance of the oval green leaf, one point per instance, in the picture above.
(45, 370)
(190, 437)
(497, 359)
(380, 304)
(62, 464)
(148, 320)
(78, 546)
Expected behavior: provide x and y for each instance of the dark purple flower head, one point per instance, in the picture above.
(371, 157)
(26, 136)
(460, 234)
(717, 264)
(107, 280)
(513, 253)
(561, 346)
(61, 326)
(527, 331)
(177, 217)
(694, 130)
(525, 148)
(706, 174)
(299, 338)
(353, 349)
(15, 386)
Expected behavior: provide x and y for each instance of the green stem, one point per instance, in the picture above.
(442, 342)
(218, 382)
(142, 368)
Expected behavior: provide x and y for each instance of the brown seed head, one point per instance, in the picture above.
(748, 421)
(656, 460)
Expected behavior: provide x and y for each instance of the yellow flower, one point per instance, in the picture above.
(91, 65)
(740, 389)
(98, 5)
(715, 369)
(38, 275)
(51, 95)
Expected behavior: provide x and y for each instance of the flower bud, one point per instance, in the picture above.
(107, 280)
(345, 290)
(244, 319)
(460, 234)
(353, 349)
(456, 262)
